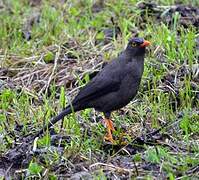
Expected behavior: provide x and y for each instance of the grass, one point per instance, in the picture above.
(73, 31)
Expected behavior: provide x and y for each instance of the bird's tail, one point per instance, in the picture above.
(60, 116)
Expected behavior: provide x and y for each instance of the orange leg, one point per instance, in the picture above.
(110, 128)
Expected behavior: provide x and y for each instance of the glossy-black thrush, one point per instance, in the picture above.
(113, 87)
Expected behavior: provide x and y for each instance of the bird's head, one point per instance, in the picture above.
(137, 45)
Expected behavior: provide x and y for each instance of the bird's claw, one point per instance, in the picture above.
(110, 129)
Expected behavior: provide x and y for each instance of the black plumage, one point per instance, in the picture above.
(113, 87)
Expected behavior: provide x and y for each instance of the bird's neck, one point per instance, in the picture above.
(130, 56)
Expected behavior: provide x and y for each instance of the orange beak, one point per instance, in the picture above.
(145, 43)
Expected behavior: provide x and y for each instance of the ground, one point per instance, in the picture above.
(50, 49)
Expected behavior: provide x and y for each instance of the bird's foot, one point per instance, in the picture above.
(109, 124)
(110, 128)
(109, 138)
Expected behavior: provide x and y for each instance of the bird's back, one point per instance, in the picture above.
(114, 86)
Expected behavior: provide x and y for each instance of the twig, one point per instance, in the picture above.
(111, 167)
(54, 68)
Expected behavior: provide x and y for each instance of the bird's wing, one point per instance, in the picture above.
(97, 87)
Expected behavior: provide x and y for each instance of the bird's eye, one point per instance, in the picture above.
(133, 44)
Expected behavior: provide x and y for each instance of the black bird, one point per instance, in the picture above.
(113, 87)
